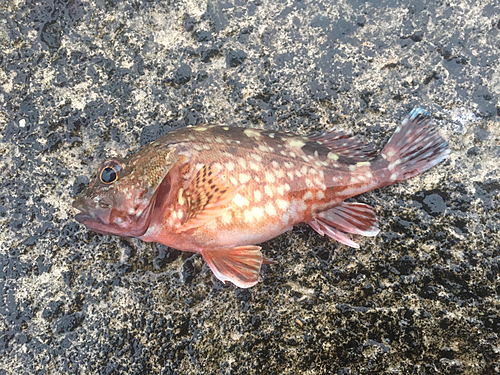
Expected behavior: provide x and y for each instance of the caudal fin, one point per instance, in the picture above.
(415, 147)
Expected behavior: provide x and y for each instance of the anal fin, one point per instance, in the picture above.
(239, 265)
(339, 221)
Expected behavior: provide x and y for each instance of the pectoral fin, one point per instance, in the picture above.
(240, 265)
(206, 198)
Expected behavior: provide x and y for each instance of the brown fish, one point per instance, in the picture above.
(220, 190)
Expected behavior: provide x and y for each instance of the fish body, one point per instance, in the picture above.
(220, 190)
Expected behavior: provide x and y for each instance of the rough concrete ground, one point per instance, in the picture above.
(81, 80)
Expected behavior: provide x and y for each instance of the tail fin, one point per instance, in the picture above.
(415, 147)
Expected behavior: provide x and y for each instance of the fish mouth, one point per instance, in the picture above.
(84, 214)
(104, 220)
(89, 218)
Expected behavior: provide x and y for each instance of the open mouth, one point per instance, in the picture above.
(87, 217)
(83, 217)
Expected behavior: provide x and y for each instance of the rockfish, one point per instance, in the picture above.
(219, 190)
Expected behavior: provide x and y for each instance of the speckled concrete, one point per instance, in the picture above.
(80, 80)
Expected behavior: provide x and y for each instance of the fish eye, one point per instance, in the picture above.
(110, 172)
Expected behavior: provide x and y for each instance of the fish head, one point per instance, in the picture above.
(122, 194)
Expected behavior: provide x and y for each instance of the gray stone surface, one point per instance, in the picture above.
(80, 80)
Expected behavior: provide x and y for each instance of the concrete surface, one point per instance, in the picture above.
(81, 80)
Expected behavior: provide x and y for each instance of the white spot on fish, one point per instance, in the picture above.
(275, 164)
(218, 166)
(244, 178)
(393, 165)
(288, 164)
(320, 194)
(282, 204)
(279, 173)
(240, 201)
(251, 133)
(199, 128)
(296, 143)
(269, 177)
(333, 156)
(363, 163)
(230, 166)
(292, 154)
(180, 197)
(287, 187)
(394, 176)
(248, 216)
(254, 166)
(352, 168)
(257, 195)
(257, 212)
(268, 191)
(226, 217)
(270, 210)
(242, 162)
(308, 195)
(233, 180)
(280, 190)
(256, 157)
(309, 183)
(302, 206)
(319, 182)
(290, 175)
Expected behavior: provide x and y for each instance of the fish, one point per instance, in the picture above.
(221, 191)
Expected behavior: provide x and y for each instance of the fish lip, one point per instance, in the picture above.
(83, 217)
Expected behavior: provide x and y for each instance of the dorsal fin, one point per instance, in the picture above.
(344, 144)
(206, 198)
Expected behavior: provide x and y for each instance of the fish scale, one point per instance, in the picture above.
(220, 190)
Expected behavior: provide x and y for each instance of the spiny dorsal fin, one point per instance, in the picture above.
(344, 144)
(206, 198)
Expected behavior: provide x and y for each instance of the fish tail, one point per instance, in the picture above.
(415, 147)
